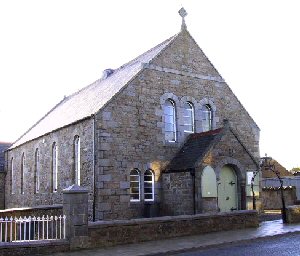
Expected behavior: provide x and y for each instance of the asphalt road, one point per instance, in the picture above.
(288, 245)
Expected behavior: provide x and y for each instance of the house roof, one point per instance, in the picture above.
(3, 147)
(198, 144)
(87, 101)
(195, 147)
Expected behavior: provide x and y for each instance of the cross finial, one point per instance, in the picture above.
(182, 12)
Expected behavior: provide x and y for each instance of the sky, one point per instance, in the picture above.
(49, 49)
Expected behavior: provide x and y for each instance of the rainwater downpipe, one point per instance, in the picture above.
(192, 172)
(94, 162)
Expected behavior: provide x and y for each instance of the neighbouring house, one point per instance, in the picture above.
(3, 146)
(161, 135)
(282, 171)
(270, 183)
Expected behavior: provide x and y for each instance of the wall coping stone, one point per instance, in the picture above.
(74, 189)
(40, 207)
(107, 223)
(41, 243)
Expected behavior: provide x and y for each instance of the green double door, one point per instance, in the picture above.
(227, 190)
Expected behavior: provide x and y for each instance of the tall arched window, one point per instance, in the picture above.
(170, 120)
(54, 168)
(77, 160)
(37, 171)
(149, 185)
(22, 173)
(135, 185)
(207, 118)
(13, 184)
(188, 117)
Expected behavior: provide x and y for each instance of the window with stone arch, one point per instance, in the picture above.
(13, 183)
(170, 120)
(207, 120)
(54, 167)
(149, 185)
(37, 171)
(22, 173)
(135, 186)
(188, 117)
(77, 160)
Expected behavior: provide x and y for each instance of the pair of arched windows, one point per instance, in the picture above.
(136, 186)
(188, 118)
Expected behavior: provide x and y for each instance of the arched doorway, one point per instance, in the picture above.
(227, 190)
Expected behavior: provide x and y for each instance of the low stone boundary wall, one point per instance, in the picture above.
(34, 248)
(271, 197)
(109, 233)
(38, 211)
(293, 214)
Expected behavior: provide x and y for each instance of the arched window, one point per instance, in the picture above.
(54, 168)
(148, 185)
(12, 176)
(37, 171)
(207, 118)
(22, 173)
(188, 117)
(77, 160)
(135, 185)
(170, 120)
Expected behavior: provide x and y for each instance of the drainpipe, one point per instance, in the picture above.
(192, 172)
(94, 163)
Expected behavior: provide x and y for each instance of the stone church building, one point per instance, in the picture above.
(161, 135)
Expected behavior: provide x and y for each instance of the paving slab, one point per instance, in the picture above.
(181, 244)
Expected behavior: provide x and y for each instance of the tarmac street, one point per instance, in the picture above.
(287, 245)
(267, 229)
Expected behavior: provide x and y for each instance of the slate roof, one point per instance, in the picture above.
(3, 147)
(90, 99)
(195, 147)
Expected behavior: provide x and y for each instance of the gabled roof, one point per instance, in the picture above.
(194, 148)
(89, 100)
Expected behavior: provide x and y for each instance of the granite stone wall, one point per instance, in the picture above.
(130, 128)
(110, 233)
(64, 138)
(177, 194)
(271, 198)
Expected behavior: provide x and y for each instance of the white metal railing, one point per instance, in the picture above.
(32, 228)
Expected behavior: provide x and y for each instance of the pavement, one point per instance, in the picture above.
(267, 229)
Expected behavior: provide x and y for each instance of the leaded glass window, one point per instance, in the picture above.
(170, 120)
(135, 185)
(188, 118)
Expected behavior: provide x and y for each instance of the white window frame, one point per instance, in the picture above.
(190, 117)
(37, 171)
(173, 123)
(22, 174)
(54, 167)
(13, 184)
(77, 160)
(137, 174)
(152, 185)
(207, 120)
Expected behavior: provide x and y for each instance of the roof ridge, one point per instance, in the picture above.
(117, 74)
(131, 62)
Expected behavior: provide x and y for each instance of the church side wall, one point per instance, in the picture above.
(64, 138)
